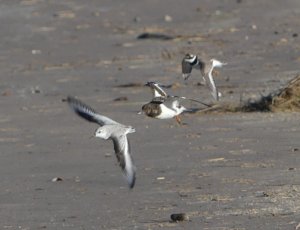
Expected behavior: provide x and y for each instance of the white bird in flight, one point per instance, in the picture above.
(110, 129)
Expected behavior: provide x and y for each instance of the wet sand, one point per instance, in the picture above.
(224, 170)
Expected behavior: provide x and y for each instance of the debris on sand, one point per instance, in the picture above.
(284, 99)
(124, 98)
(56, 179)
(288, 98)
(130, 85)
(157, 36)
(179, 217)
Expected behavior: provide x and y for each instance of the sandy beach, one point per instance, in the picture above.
(223, 170)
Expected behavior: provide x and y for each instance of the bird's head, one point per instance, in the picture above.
(190, 58)
(130, 129)
(102, 133)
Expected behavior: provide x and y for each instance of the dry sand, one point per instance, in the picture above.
(225, 171)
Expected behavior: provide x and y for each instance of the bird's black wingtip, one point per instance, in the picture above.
(132, 183)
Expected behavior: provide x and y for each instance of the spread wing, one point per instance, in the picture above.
(201, 65)
(122, 151)
(209, 80)
(89, 113)
(190, 99)
(157, 91)
(186, 69)
(158, 100)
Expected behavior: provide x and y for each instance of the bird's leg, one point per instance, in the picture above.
(178, 119)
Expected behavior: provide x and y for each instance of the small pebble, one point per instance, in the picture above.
(168, 18)
(55, 179)
(136, 19)
(261, 194)
(179, 217)
(36, 51)
(160, 178)
(121, 99)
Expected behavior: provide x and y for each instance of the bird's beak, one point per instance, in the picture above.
(91, 137)
(139, 113)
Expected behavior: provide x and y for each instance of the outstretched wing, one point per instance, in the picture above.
(190, 99)
(88, 113)
(201, 66)
(122, 151)
(158, 100)
(186, 69)
(157, 91)
(209, 81)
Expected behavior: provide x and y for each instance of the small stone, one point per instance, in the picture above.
(160, 178)
(261, 194)
(179, 217)
(283, 40)
(168, 18)
(56, 179)
(36, 51)
(295, 35)
(218, 12)
(136, 19)
(121, 99)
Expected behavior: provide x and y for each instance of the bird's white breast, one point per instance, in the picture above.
(166, 113)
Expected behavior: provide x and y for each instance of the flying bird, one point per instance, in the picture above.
(191, 61)
(110, 129)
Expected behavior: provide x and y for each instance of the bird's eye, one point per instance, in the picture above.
(179, 106)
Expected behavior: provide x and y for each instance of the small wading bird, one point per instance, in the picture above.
(191, 61)
(163, 105)
(110, 129)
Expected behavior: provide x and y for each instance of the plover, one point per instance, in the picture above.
(157, 108)
(110, 129)
(191, 61)
(163, 105)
